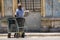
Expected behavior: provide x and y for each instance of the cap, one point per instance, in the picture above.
(19, 4)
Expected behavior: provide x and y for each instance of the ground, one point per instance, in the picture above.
(34, 38)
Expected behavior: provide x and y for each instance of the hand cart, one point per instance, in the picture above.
(16, 25)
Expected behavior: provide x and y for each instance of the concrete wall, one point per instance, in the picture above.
(33, 22)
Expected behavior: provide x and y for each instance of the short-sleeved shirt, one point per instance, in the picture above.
(20, 13)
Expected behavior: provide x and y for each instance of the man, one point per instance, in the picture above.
(20, 14)
(19, 11)
(20, 18)
(20, 21)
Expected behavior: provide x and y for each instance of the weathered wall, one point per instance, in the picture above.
(33, 22)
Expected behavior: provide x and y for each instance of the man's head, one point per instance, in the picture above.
(19, 6)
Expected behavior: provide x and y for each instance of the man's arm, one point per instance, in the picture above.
(16, 12)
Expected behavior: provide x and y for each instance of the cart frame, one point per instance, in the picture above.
(18, 33)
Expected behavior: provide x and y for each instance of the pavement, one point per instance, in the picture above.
(34, 36)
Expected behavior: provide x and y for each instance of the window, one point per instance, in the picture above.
(56, 8)
(33, 5)
(49, 8)
(53, 8)
(8, 7)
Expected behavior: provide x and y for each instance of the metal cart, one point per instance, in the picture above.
(16, 25)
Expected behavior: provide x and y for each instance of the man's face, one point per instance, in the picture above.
(19, 7)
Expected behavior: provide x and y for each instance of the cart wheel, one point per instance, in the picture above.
(9, 35)
(23, 35)
(16, 35)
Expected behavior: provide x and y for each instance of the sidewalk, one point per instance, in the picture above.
(36, 34)
(42, 34)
